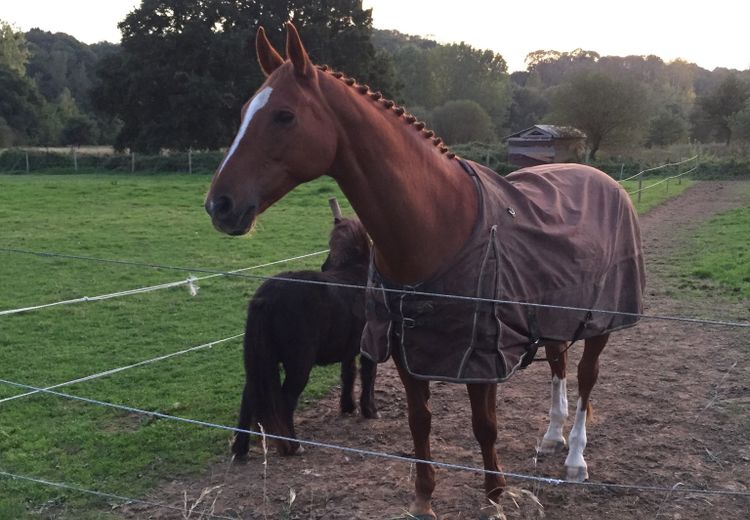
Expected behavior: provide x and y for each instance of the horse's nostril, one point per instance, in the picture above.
(220, 206)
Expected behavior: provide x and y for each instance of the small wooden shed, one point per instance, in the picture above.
(544, 144)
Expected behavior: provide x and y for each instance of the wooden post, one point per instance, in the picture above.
(667, 188)
(640, 188)
(27, 162)
(335, 208)
(190, 160)
(75, 159)
(622, 167)
(132, 162)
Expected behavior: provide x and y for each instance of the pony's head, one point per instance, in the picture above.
(287, 136)
(349, 245)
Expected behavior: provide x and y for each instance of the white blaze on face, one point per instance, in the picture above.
(258, 102)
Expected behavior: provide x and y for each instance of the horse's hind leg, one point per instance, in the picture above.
(241, 444)
(553, 440)
(588, 371)
(484, 423)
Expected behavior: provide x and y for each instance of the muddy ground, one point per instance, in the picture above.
(672, 408)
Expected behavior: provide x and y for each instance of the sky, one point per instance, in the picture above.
(709, 33)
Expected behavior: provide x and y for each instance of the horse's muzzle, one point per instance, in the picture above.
(226, 217)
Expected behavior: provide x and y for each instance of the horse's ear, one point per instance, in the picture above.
(296, 52)
(269, 59)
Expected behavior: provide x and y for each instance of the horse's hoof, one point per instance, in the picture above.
(240, 458)
(577, 473)
(370, 414)
(551, 446)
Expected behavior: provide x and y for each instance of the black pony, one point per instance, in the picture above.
(298, 325)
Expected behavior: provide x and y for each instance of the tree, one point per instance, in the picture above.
(186, 67)
(20, 106)
(528, 108)
(462, 121)
(14, 52)
(719, 106)
(668, 127)
(548, 68)
(606, 107)
(79, 130)
(739, 123)
(461, 72)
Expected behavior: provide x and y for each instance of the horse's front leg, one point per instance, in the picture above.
(553, 440)
(420, 420)
(484, 423)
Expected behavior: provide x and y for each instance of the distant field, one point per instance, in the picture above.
(718, 257)
(154, 219)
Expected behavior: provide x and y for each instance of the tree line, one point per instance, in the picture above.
(185, 67)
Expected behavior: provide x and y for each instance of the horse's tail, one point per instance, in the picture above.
(263, 379)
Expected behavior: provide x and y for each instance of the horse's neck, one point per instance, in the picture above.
(418, 205)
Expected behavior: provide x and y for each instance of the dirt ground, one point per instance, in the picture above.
(672, 408)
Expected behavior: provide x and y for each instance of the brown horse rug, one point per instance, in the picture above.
(554, 235)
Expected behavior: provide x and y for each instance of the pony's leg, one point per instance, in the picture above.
(348, 374)
(296, 376)
(241, 444)
(420, 422)
(588, 371)
(367, 371)
(484, 423)
(553, 440)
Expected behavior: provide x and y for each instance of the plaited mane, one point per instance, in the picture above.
(390, 105)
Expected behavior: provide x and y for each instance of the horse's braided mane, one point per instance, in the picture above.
(390, 105)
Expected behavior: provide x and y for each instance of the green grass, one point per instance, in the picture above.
(653, 194)
(154, 219)
(718, 257)
(149, 219)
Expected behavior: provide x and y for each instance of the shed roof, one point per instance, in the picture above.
(547, 132)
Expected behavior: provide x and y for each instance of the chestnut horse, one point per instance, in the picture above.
(416, 202)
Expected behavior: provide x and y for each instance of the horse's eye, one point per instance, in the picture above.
(283, 117)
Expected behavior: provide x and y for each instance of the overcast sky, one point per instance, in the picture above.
(710, 33)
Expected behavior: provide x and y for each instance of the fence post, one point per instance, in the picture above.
(667, 188)
(640, 188)
(75, 159)
(27, 162)
(132, 162)
(622, 167)
(190, 160)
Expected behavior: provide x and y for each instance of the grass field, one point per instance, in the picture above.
(154, 219)
(718, 257)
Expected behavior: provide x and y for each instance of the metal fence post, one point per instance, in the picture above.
(75, 159)
(132, 162)
(190, 160)
(27, 162)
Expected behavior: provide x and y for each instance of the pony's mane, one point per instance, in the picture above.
(391, 105)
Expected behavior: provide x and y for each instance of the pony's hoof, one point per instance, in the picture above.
(551, 446)
(577, 473)
(370, 414)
